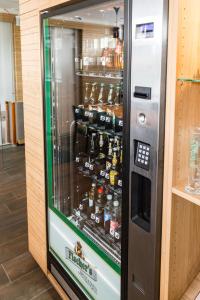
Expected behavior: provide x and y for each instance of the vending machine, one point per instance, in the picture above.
(104, 109)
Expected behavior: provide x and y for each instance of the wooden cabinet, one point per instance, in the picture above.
(181, 211)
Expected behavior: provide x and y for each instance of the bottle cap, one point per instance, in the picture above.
(116, 203)
(109, 197)
(100, 190)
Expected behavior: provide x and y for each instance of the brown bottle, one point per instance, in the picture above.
(101, 158)
(109, 160)
(114, 172)
(99, 207)
(91, 200)
(115, 218)
(83, 206)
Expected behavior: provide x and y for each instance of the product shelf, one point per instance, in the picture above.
(96, 75)
(179, 190)
(193, 292)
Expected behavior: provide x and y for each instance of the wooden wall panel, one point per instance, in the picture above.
(18, 62)
(169, 146)
(33, 118)
(187, 101)
(185, 249)
(4, 17)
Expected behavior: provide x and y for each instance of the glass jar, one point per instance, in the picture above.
(194, 163)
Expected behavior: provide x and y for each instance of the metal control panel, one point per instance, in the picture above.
(147, 95)
(142, 159)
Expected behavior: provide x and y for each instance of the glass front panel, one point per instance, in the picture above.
(84, 60)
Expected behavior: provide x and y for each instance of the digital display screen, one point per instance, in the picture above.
(145, 31)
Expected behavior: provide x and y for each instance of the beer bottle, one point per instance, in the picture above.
(115, 218)
(113, 172)
(101, 146)
(119, 182)
(117, 95)
(86, 102)
(99, 207)
(91, 200)
(101, 158)
(89, 165)
(118, 234)
(86, 96)
(109, 159)
(107, 213)
(84, 203)
(110, 100)
(101, 94)
(93, 94)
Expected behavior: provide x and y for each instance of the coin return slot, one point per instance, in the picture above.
(141, 201)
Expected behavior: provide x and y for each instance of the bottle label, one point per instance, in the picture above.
(77, 110)
(108, 165)
(113, 175)
(114, 160)
(107, 176)
(102, 118)
(91, 167)
(117, 235)
(113, 227)
(87, 165)
(86, 113)
(121, 123)
(92, 216)
(102, 173)
(103, 60)
(96, 209)
(78, 213)
(77, 159)
(91, 202)
(107, 217)
(86, 61)
(97, 220)
(108, 119)
(120, 183)
(91, 114)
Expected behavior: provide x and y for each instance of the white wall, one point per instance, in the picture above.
(7, 87)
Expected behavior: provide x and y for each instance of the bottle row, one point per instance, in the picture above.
(102, 106)
(103, 157)
(103, 209)
(98, 94)
(111, 57)
(104, 118)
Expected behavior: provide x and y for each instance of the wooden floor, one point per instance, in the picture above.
(20, 276)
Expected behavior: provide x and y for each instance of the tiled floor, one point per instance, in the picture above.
(20, 277)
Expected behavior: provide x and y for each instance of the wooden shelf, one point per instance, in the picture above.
(193, 291)
(180, 191)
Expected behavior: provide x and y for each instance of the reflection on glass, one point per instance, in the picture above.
(194, 162)
(87, 123)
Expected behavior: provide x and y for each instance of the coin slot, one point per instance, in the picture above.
(142, 92)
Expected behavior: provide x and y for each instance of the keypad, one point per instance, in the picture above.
(143, 155)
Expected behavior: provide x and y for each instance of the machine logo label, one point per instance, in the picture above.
(78, 259)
